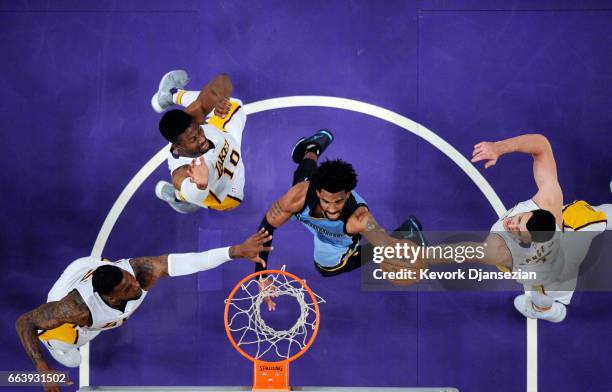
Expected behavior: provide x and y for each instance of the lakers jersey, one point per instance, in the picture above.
(226, 174)
(77, 276)
(536, 257)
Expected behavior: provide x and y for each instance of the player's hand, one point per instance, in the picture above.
(44, 368)
(198, 172)
(55, 388)
(51, 388)
(265, 285)
(222, 107)
(486, 151)
(360, 221)
(254, 245)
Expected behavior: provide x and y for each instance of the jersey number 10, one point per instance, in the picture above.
(234, 158)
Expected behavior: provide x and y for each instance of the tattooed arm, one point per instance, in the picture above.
(280, 212)
(70, 309)
(363, 222)
(149, 268)
(288, 204)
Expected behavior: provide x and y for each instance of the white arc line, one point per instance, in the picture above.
(532, 355)
(124, 197)
(330, 102)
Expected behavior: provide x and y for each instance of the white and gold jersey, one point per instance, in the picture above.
(226, 176)
(77, 276)
(535, 257)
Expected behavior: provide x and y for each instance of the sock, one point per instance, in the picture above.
(304, 171)
(184, 97)
(541, 300)
(312, 148)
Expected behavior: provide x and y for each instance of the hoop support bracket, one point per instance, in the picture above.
(271, 376)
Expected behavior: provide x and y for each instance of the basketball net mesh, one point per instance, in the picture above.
(256, 335)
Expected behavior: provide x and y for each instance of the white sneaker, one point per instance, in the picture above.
(165, 191)
(162, 99)
(555, 314)
(64, 353)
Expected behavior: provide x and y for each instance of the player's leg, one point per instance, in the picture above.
(170, 92)
(64, 353)
(411, 230)
(307, 151)
(345, 259)
(64, 341)
(185, 98)
(166, 192)
(539, 305)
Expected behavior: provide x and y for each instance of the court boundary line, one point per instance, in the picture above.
(329, 102)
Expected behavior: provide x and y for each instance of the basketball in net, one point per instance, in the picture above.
(271, 349)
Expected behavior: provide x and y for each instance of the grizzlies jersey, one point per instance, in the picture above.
(332, 242)
(226, 175)
(77, 276)
(535, 257)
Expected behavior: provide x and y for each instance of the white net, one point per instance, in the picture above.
(251, 332)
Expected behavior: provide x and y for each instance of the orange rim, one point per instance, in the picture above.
(254, 275)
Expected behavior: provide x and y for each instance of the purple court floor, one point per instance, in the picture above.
(77, 78)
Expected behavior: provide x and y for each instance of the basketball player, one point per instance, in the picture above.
(527, 237)
(94, 295)
(204, 158)
(323, 199)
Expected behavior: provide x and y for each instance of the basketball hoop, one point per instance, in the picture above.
(272, 350)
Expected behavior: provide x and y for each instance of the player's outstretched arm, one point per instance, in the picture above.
(491, 252)
(494, 249)
(363, 222)
(549, 195)
(149, 269)
(288, 204)
(215, 95)
(281, 211)
(70, 309)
